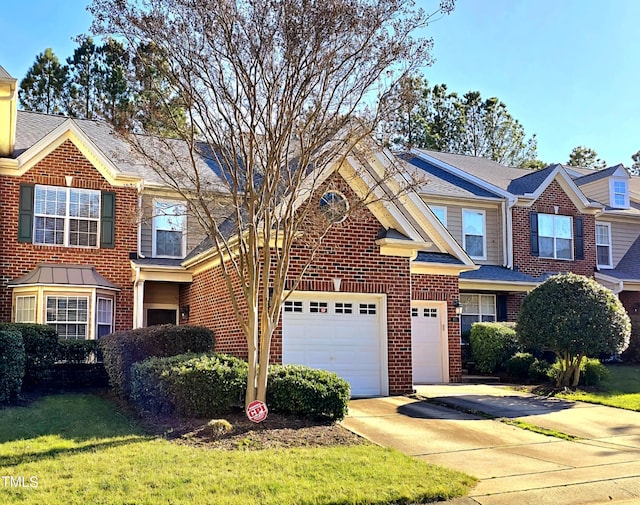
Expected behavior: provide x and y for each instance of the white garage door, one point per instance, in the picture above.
(429, 349)
(339, 333)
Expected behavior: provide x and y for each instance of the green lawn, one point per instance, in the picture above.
(79, 449)
(621, 389)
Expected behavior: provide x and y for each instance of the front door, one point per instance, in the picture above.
(161, 316)
(429, 349)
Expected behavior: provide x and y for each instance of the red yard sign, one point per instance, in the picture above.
(257, 411)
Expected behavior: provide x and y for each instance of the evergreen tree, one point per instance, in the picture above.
(585, 157)
(45, 87)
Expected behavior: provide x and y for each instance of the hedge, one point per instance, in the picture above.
(12, 360)
(492, 344)
(307, 392)
(122, 349)
(40, 347)
(212, 384)
(190, 385)
(77, 351)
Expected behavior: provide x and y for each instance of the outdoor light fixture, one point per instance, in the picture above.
(184, 311)
(458, 307)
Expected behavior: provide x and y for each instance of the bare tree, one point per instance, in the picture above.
(278, 93)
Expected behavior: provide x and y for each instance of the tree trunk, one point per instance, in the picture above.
(576, 371)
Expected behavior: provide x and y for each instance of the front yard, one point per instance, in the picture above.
(621, 389)
(82, 448)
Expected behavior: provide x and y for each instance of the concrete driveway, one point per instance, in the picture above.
(514, 466)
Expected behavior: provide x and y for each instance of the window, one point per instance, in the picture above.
(318, 307)
(473, 230)
(619, 194)
(25, 309)
(334, 206)
(476, 308)
(368, 309)
(603, 244)
(555, 237)
(66, 216)
(290, 306)
(69, 315)
(440, 213)
(169, 226)
(104, 317)
(344, 308)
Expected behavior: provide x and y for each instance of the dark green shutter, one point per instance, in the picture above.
(578, 238)
(25, 213)
(533, 225)
(108, 220)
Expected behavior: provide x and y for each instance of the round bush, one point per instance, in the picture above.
(306, 392)
(492, 344)
(540, 371)
(592, 372)
(191, 385)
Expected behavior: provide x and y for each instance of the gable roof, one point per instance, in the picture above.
(596, 175)
(530, 182)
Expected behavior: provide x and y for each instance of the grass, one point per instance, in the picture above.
(80, 449)
(538, 429)
(621, 389)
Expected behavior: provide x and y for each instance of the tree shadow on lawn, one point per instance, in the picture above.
(81, 421)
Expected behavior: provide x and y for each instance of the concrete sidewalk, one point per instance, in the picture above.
(514, 466)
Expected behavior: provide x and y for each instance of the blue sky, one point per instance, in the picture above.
(568, 70)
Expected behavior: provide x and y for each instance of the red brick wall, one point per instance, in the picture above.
(443, 288)
(350, 253)
(18, 259)
(553, 196)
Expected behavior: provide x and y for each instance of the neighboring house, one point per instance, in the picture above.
(521, 226)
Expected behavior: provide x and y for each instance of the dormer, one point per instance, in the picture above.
(609, 186)
(8, 107)
(619, 188)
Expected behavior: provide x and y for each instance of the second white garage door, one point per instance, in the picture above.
(340, 333)
(429, 349)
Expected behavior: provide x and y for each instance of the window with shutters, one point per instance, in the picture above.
(555, 236)
(66, 216)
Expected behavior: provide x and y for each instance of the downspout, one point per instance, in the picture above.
(138, 300)
(508, 236)
(140, 186)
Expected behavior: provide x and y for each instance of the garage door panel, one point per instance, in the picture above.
(348, 344)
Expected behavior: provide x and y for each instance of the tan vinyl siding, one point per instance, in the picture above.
(165, 293)
(623, 235)
(597, 190)
(494, 229)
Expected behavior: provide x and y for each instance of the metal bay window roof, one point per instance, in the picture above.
(66, 275)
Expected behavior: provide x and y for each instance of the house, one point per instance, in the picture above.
(520, 227)
(93, 241)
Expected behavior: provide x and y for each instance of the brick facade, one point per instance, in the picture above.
(553, 196)
(348, 252)
(18, 259)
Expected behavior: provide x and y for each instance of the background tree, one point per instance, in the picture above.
(574, 317)
(585, 157)
(86, 76)
(277, 95)
(45, 87)
(114, 83)
(635, 167)
(434, 118)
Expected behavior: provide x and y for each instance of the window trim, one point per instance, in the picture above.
(97, 315)
(609, 245)
(67, 217)
(438, 208)
(155, 229)
(483, 213)
(56, 322)
(613, 193)
(555, 237)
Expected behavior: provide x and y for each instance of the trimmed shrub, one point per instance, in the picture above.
(517, 366)
(592, 372)
(40, 347)
(77, 351)
(12, 360)
(492, 344)
(189, 385)
(306, 392)
(122, 349)
(540, 371)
